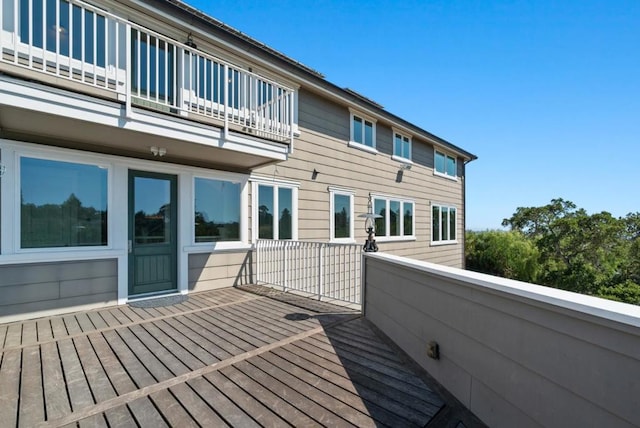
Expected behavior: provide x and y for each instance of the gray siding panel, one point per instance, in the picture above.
(33, 287)
(210, 271)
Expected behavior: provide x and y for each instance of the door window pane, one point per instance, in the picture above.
(152, 207)
(342, 212)
(265, 212)
(285, 207)
(63, 204)
(217, 210)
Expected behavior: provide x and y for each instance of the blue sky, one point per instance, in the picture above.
(545, 93)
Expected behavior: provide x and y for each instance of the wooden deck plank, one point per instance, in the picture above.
(215, 344)
(97, 320)
(29, 333)
(373, 342)
(201, 355)
(255, 340)
(120, 315)
(148, 359)
(58, 328)
(95, 421)
(14, 335)
(337, 411)
(269, 399)
(168, 359)
(55, 394)
(44, 330)
(251, 327)
(336, 374)
(3, 335)
(145, 413)
(226, 408)
(135, 369)
(85, 322)
(196, 406)
(227, 340)
(117, 374)
(172, 410)
(304, 404)
(131, 314)
(258, 411)
(269, 306)
(31, 398)
(73, 327)
(271, 326)
(77, 385)
(109, 318)
(168, 342)
(208, 352)
(10, 386)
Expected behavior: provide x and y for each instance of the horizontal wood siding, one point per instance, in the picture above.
(212, 271)
(32, 288)
(322, 145)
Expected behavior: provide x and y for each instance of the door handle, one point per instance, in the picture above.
(130, 246)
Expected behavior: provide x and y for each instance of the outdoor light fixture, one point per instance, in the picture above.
(158, 151)
(190, 42)
(2, 169)
(405, 166)
(370, 245)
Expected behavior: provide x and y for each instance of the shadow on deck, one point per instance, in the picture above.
(247, 356)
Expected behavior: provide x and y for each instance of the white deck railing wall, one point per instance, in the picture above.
(327, 271)
(72, 40)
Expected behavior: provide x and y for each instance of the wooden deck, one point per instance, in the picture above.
(224, 358)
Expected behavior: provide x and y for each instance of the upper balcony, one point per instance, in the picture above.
(76, 46)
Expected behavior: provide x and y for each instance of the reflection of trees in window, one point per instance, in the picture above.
(408, 220)
(69, 224)
(284, 226)
(265, 223)
(152, 228)
(211, 231)
(342, 229)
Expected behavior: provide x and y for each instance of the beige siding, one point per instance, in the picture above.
(322, 145)
(211, 271)
(38, 288)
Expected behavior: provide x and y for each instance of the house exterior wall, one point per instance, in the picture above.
(40, 288)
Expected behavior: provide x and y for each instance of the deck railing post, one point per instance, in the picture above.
(285, 266)
(227, 82)
(127, 72)
(321, 271)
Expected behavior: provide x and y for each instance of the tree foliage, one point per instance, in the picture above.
(562, 246)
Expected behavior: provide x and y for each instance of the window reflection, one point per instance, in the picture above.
(265, 212)
(217, 210)
(63, 204)
(342, 212)
(152, 210)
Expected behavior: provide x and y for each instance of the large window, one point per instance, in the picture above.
(275, 212)
(445, 164)
(443, 220)
(401, 146)
(341, 223)
(397, 217)
(217, 210)
(62, 204)
(363, 132)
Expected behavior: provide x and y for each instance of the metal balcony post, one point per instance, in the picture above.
(127, 72)
(226, 101)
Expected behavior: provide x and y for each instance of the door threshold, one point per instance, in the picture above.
(154, 295)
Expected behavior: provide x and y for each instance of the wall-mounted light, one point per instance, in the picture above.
(2, 169)
(370, 217)
(314, 174)
(405, 166)
(190, 42)
(158, 151)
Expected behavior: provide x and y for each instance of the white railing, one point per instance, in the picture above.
(73, 40)
(326, 271)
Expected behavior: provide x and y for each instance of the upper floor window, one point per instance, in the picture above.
(401, 146)
(397, 217)
(341, 212)
(363, 132)
(276, 211)
(62, 204)
(443, 224)
(217, 210)
(445, 164)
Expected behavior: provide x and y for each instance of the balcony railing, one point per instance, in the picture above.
(73, 40)
(326, 271)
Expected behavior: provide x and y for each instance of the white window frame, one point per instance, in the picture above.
(362, 146)
(276, 184)
(448, 206)
(387, 226)
(221, 245)
(333, 192)
(403, 159)
(446, 155)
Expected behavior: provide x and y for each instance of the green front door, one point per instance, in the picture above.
(152, 232)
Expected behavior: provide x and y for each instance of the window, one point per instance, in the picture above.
(401, 146)
(443, 220)
(363, 133)
(216, 210)
(341, 221)
(63, 204)
(397, 217)
(275, 212)
(445, 165)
